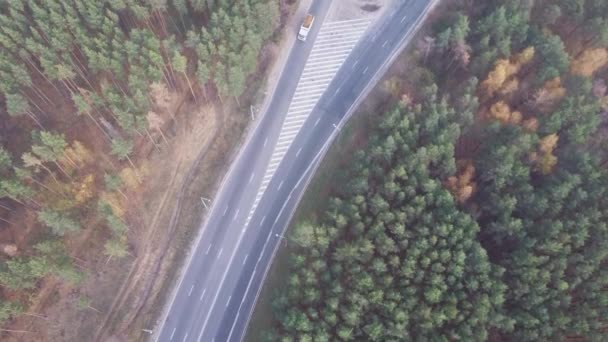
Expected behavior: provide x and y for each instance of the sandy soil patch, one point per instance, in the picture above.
(356, 9)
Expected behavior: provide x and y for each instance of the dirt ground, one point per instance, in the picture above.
(356, 9)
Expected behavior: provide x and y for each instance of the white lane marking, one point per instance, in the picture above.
(317, 122)
(203, 295)
(297, 153)
(208, 249)
(385, 42)
(242, 301)
(225, 210)
(228, 302)
(172, 333)
(365, 71)
(348, 30)
(337, 90)
(280, 185)
(219, 253)
(251, 177)
(245, 260)
(275, 222)
(185, 337)
(294, 123)
(404, 17)
(311, 66)
(335, 55)
(343, 22)
(374, 37)
(190, 293)
(265, 142)
(355, 64)
(262, 221)
(236, 214)
(338, 41)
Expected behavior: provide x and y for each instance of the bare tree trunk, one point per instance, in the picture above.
(33, 117)
(50, 173)
(163, 135)
(62, 170)
(190, 86)
(7, 221)
(134, 169)
(16, 331)
(152, 140)
(99, 126)
(94, 309)
(44, 186)
(42, 74)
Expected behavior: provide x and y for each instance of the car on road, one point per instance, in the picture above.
(305, 28)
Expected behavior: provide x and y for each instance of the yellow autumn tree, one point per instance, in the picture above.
(551, 92)
(501, 112)
(510, 86)
(524, 57)
(462, 185)
(497, 76)
(115, 202)
(515, 118)
(84, 189)
(589, 62)
(544, 159)
(77, 154)
(530, 125)
(505, 69)
(548, 143)
(547, 163)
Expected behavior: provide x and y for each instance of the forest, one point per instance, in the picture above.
(87, 90)
(477, 209)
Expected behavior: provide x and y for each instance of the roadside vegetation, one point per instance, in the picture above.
(476, 210)
(90, 91)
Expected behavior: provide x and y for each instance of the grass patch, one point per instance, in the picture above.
(327, 180)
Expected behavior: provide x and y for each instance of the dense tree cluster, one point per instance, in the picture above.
(480, 213)
(395, 258)
(74, 69)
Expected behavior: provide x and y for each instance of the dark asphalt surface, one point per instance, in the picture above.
(217, 292)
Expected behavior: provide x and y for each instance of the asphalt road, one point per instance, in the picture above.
(217, 292)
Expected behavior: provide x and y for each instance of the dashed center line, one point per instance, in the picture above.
(228, 302)
(203, 295)
(235, 215)
(404, 17)
(245, 260)
(386, 42)
(185, 337)
(262, 221)
(365, 70)
(298, 153)
(265, 142)
(225, 210)
(355, 64)
(317, 122)
(208, 249)
(280, 185)
(172, 333)
(251, 178)
(190, 292)
(219, 253)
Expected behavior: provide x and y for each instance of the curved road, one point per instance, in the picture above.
(216, 294)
